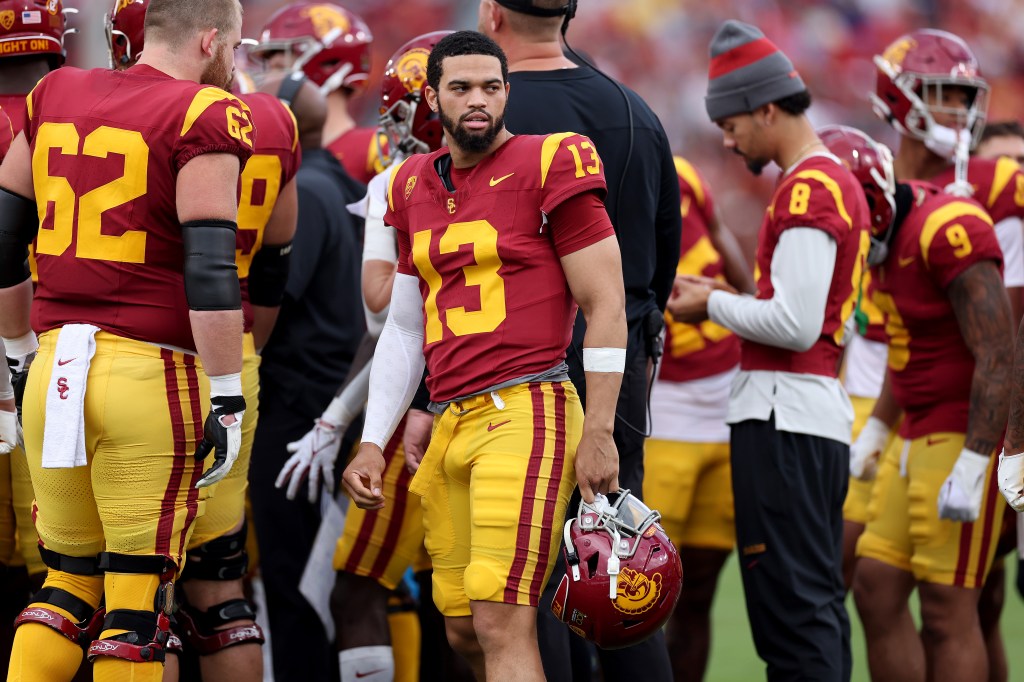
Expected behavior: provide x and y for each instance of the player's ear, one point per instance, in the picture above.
(431, 96)
(766, 114)
(209, 36)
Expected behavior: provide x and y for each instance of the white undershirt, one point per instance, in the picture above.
(1010, 233)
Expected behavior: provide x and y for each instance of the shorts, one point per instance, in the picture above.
(496, 485)
(144, 408)
(904, 529)
(858, 495)
(382, 544)
(691, 485)
(225, 506)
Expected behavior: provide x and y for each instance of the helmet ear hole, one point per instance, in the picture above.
(592, 564)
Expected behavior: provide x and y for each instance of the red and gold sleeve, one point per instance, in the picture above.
(956, 236)
(693, 189)
(1006, 195)
(812, 198)
(215, 122)
(394, 216)
(569, 165)
(578, 222)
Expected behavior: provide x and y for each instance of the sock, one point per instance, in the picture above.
(367, 664)
(405, 643)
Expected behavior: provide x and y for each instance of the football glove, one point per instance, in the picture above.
(10, 432)
(225, 440)
(314, 455)
(19, 366)
(1011, 479)
(961, 493)
(866, 450)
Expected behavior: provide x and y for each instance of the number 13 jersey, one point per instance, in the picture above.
(106, 150)
(496, 302)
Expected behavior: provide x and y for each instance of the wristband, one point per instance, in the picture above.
(22, 346)
(604, 360)
(226, 384)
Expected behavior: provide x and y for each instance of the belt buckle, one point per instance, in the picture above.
(458, 412)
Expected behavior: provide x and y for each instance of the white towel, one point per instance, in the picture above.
(64, 433)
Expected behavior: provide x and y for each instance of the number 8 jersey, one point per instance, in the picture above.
(497, 306)
(109, 250)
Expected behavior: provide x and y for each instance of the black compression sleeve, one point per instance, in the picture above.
(211, 277)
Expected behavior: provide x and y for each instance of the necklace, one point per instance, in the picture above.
(800, 153)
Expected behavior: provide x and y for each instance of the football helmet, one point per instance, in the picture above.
(30, 27)
(405, 119)
(125, 30)
(329, 43)
(871, 163)
(623, 575)
(912, 73)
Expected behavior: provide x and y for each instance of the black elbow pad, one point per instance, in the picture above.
(19, 223)
(268, 275)
(211, 277)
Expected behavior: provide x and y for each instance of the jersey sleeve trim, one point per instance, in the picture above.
(833, 187)
(391, 184)
(547, 153)
(688, 173)
(1006, 168)
(295, 128)
(942, 216)
(202, 101)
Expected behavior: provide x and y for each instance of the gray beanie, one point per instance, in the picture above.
(747, 71)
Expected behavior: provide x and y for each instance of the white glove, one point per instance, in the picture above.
(314, 454)
(961, 493)
(1011, 479)
(10, 432)
(866, 450)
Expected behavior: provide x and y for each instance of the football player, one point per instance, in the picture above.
(214, 614)
(331, 45)
(510, 430)
(933, 515)
(1001, 138)
(687, 455)
(136, 242)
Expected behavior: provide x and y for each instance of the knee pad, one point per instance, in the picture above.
(483, 582)
(147, 633)
(199, 628)
(223, 558)
(75, 565)
(85, 627)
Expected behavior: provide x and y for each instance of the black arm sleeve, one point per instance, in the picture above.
(268, 274)
(668, 228)
(211, 276)
(19, 223)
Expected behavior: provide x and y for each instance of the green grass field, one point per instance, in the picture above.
(733, 658)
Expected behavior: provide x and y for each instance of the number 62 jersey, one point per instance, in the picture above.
(497, 306)
(106, 150)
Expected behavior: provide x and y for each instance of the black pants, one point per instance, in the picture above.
(789, 490)
(285, 530)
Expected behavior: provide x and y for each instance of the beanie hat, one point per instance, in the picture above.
(747, 71)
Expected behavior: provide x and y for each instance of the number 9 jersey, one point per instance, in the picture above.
(109, 250)
(496, 303)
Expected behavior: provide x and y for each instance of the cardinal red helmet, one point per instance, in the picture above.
(329, 43)
(914, 69)
(30, 27)
(411, 127)
(623, 575)
(125, 32)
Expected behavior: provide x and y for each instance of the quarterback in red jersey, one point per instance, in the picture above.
(135, 243)
(933, 518)
(687, 456)
(499, 238)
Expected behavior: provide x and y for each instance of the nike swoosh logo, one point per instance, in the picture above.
(904, 262)
(372, 672)
(491, 427)
(503, 177)
(61, 363)
(936, 441)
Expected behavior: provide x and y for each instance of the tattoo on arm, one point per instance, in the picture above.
(983, 313)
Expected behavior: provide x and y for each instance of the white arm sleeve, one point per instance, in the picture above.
(801, 273)
(347, 404)
(397, 363)
(1010, 233)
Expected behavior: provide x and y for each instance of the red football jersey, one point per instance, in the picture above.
(702, 350)
(930, 365)
(818, 193)
(275, 161)
(14, 107)
(496, 302)
(998, 186)
(104, 167)
(359, 152)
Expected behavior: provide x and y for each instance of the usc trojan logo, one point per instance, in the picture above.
(7, 19)
(411, 68)
(897, 52)
(636, 592)
(326, 19)
(62, 388)
(121, 4)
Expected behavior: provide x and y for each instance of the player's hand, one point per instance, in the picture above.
(866, 450)
(19, 366)
(362, 477)
(689, 300)
(222, 434)
(1011, 479)
(10, 429)
(961, 493)
(418, 426)
(597, 464)
(314, 455)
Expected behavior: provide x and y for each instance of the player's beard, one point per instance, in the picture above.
(755, 166)
(473, 142)
(219, 72)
